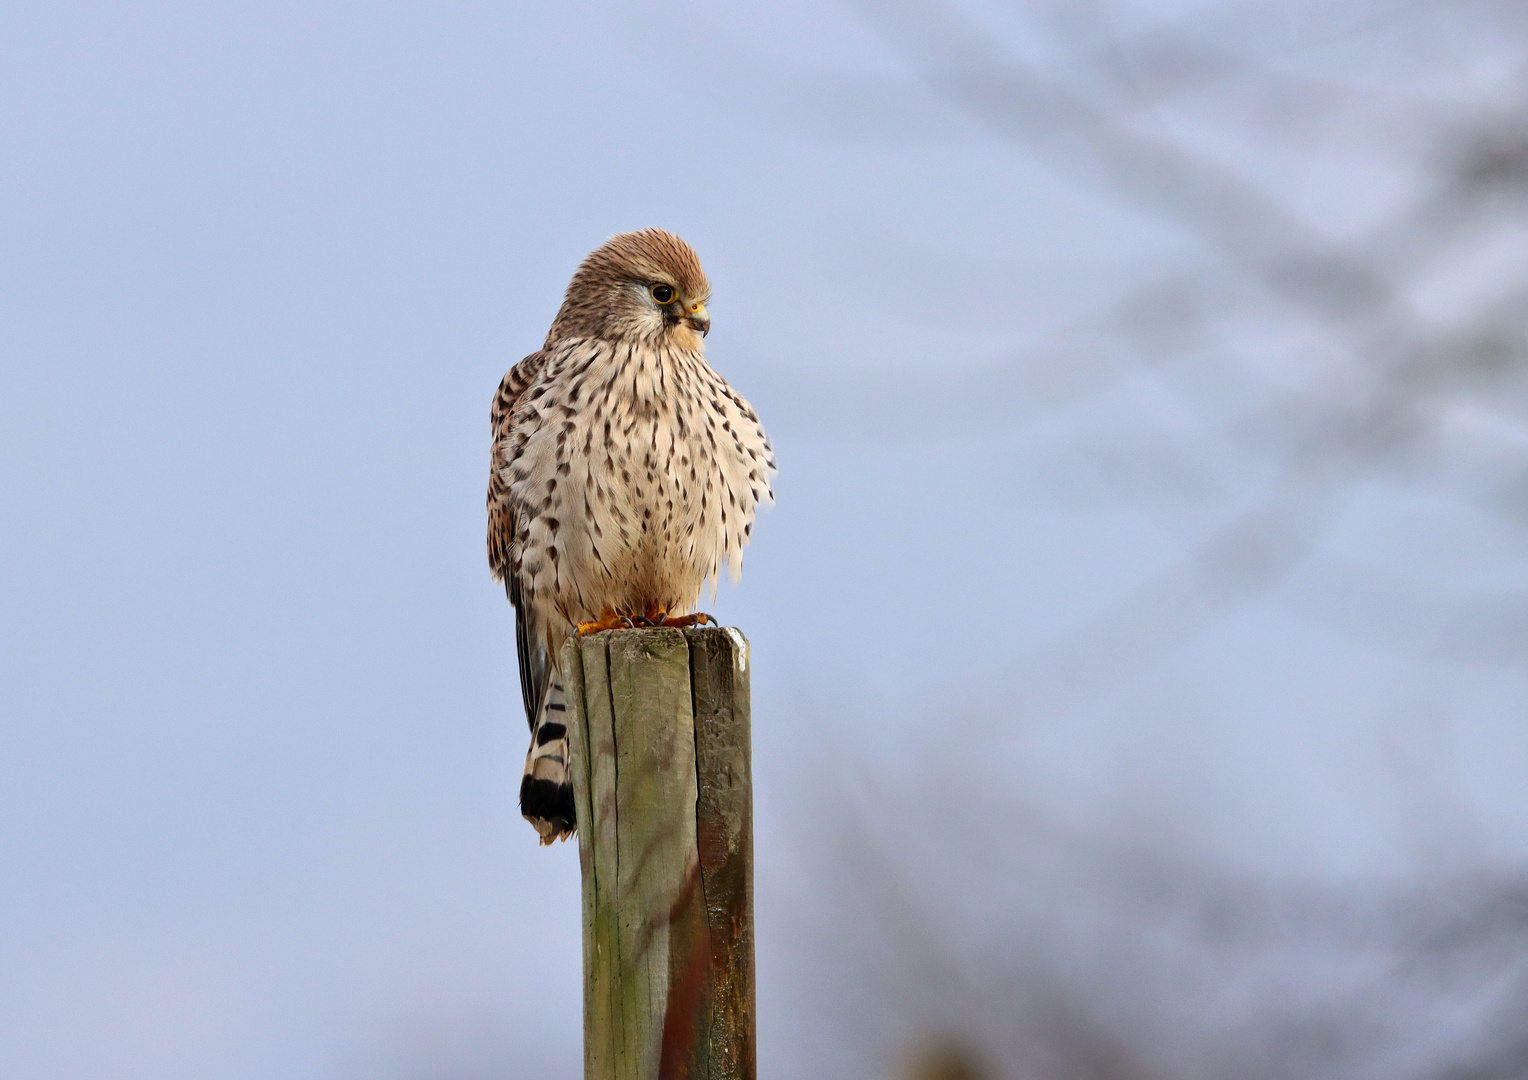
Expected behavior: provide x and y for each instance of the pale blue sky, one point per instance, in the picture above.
(261, 268)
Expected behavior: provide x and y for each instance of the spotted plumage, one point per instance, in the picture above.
(625, 475)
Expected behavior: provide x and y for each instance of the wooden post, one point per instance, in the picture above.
(659, 724)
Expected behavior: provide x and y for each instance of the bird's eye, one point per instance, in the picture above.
(664, 294)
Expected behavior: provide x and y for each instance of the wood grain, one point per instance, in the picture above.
(659, 726)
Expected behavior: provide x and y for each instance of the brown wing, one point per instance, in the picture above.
(501, 519)
(534, 669)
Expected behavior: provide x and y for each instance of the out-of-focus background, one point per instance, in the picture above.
(1139, 639)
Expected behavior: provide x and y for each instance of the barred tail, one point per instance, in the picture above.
(546, 790)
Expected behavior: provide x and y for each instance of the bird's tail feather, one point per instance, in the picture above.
(546, 790)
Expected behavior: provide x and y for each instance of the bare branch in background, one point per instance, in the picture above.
(1401, 324)
(1079, 959)
(1399, 374)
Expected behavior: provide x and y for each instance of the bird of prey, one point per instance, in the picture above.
(624, 474)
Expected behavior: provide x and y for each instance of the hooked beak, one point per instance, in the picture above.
(698, 318)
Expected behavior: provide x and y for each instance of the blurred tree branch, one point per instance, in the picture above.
(1126, 965)
(1399, 374)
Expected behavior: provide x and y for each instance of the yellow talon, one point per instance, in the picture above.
(654, 617)
(700, 618)
(608, 621)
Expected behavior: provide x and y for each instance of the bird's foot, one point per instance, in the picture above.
(651, 619)
(656, 616)
(608, 621)
(700, 618)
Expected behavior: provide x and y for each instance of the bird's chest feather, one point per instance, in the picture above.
(621, 478)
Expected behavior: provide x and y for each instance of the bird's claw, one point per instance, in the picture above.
(650, 620)
(607, 621)
(656, 616)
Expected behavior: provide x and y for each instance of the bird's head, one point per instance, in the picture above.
(641, 285)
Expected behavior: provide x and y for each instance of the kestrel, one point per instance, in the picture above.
(624, 473)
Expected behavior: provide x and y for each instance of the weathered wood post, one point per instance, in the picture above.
(659, 726)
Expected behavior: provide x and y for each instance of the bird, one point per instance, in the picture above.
(625, 474)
